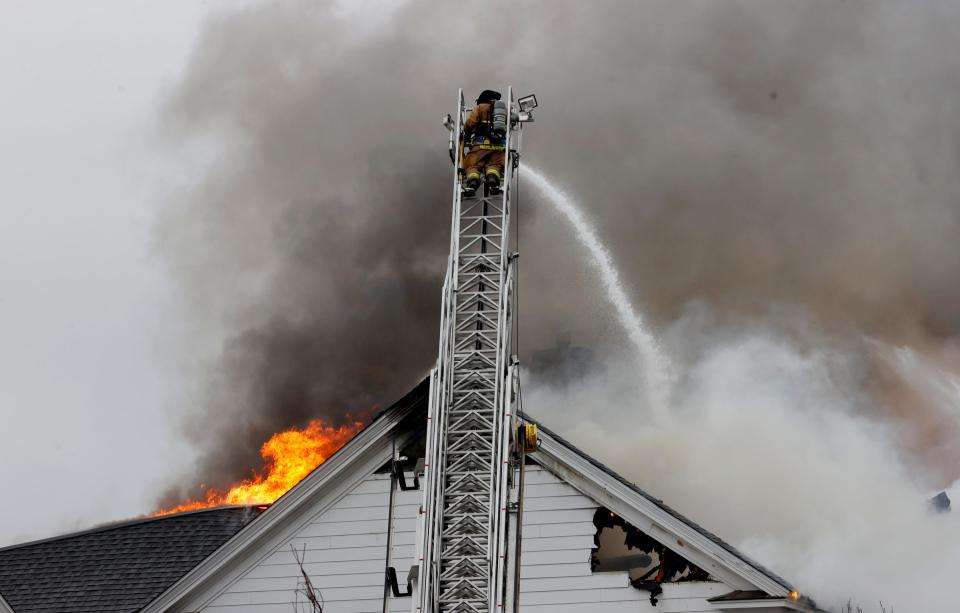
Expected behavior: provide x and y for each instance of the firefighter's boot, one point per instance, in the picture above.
(470, 186)
(493, 184)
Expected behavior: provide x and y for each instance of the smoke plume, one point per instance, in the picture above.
(773, 446)
(776, 179)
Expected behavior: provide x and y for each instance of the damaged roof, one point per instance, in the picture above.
(660, 504)
(116, 568)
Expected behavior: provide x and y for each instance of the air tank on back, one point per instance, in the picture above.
(498, 117)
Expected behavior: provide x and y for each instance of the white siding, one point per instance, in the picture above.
(555, 573)
(346, 549)
(406, 508)
(345, 556)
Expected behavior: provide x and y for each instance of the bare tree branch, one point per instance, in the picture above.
(314, 599)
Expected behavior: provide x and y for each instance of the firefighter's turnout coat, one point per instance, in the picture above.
(484, 150)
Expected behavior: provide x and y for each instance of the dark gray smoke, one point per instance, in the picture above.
(760, 158)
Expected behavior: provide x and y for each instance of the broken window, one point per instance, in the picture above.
(618, 546)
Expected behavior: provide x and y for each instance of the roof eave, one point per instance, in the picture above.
(763, 604)
(4, 606)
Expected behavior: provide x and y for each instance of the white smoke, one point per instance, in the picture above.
(939, 386)
(771, 443)
(767, 446)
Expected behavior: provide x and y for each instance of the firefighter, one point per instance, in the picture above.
(483, 146)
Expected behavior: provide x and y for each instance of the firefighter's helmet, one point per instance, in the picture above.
(488, 95)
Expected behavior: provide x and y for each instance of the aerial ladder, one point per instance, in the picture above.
(467, 548)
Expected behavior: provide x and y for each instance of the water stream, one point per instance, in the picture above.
(654, 364)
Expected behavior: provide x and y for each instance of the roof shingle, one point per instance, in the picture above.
(117, 568)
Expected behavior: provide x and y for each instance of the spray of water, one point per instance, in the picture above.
(656, 366)
(940, 387)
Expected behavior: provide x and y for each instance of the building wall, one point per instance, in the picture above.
(346, 549)
(345, 556)
(555, 573)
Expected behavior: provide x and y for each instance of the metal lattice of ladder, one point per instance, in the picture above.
(463, 540)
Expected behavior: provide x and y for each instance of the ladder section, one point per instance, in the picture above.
(471, 429)
(463, 536)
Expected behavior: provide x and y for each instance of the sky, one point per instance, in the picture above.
(93, 367)
(87, 387)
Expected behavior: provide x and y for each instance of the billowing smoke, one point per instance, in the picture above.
(775, 180)
(774, 447)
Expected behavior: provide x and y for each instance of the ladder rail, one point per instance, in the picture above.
(498, 502)
(434, 453)
(502, 459)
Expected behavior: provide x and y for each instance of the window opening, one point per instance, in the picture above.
(619, 547)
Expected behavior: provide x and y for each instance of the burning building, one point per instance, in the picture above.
(591, 541)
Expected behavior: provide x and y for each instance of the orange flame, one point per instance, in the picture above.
(288, 456)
